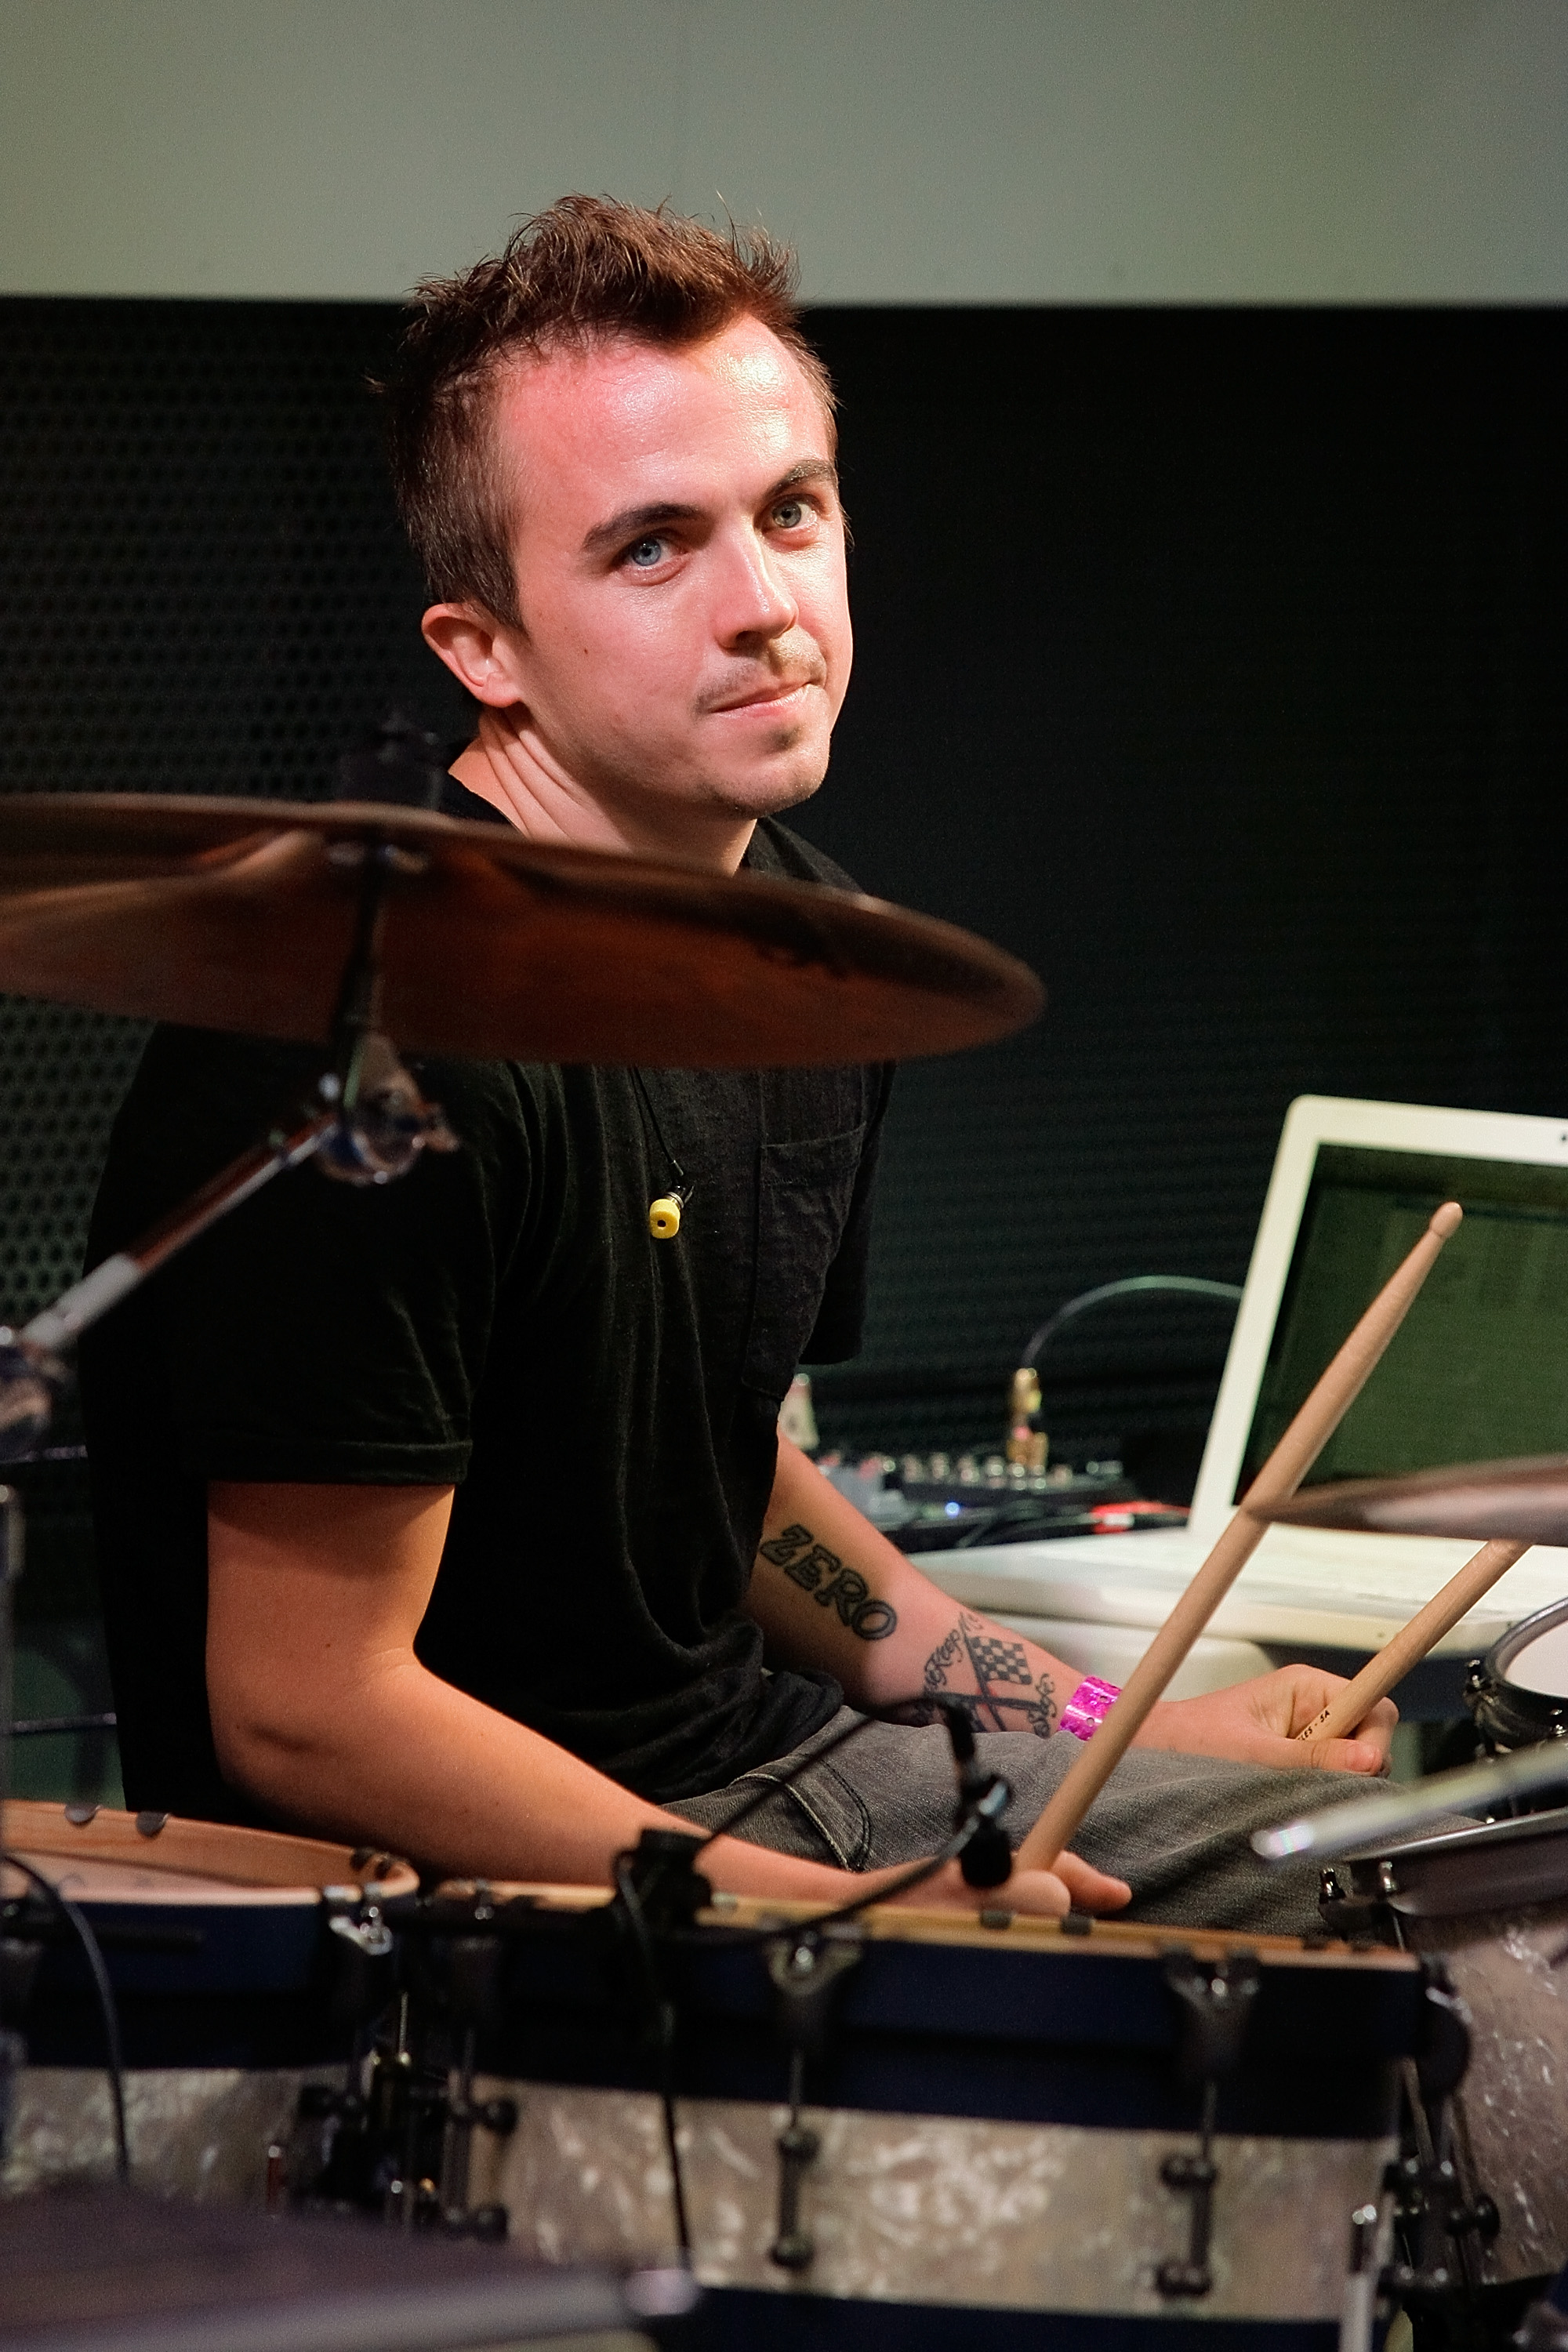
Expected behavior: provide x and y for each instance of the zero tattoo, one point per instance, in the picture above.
(988, 1673)
(831, 1585)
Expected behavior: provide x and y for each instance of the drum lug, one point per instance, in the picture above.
(464, 2115)
(793, 2248)
(1217, 1999)
(365, 1951)
(807, 1971)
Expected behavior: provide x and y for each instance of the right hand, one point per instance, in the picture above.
(1041, 1894)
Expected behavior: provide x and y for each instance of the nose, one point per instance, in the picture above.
(754, 602)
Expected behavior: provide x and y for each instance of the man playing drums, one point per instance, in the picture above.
(452, 1516)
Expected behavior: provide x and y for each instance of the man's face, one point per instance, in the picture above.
(680, 560)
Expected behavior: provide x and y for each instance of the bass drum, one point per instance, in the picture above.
(1493, 1902)
(1518, 1694)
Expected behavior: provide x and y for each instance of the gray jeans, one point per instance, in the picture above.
(1176, 1827)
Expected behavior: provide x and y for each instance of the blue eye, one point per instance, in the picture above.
(646, 553)
(790, 514)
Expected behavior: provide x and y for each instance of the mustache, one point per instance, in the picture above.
(754, 685)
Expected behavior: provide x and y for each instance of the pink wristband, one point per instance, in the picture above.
(1087, 1707)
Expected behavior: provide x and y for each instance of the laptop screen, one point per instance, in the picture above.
(1479, 1368)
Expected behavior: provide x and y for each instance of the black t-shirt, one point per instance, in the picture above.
(500, 1318)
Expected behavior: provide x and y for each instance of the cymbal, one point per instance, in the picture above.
(1525, 1498)
(238, 915)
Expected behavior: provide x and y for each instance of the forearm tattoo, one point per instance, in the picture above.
(988, 1673)
(831, 1585)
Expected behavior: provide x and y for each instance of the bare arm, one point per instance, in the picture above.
(829, 1591)
(321, 1710)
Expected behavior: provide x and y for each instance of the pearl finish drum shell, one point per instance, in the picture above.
(1493, 1902)
(1510, 1970)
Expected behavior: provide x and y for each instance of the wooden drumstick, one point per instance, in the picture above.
(1315, 1424)
(1411, 1644)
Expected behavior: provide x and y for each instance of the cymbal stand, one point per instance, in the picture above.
(368, 1124)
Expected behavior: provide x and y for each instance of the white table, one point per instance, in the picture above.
(1095, 1600)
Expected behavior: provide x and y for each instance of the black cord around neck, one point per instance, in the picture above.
(683, 1186)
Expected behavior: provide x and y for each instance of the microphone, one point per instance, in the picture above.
(982, 1797)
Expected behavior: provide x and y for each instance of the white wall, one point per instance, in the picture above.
(914, 150)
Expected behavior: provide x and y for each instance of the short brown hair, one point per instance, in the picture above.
(587, 267)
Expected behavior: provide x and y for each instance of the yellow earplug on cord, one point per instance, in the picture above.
(664, 1217)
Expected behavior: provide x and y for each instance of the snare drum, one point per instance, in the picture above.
(1493, 1901)
(1519, 1691)
(997, 2134)
(228, 1984)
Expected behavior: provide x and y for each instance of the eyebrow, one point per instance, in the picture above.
(632, 521)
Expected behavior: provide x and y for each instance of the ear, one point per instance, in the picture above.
(479, 651)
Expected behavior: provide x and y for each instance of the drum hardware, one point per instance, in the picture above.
(1369, 2230)
(1517, 1694)
(473, 1980)
(1430, 2203)
(1363, 1822)
(805, 1970)
(1218, 2000)
(1486, 1907)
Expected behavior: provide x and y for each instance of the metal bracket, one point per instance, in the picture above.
(807, 1971)
(1217, 1999)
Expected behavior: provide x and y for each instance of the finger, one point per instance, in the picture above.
(1092, 1889)
(1039, 1893)
(1378, 1726)
(1365, 1756)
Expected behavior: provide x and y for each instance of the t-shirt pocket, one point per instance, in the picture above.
(804, 1197)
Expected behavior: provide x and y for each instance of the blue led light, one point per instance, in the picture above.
(952, 1509)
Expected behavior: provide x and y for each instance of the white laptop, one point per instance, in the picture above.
(1478, 1370)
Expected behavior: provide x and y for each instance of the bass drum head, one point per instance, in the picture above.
(1533, 1654)
(1519, 1693)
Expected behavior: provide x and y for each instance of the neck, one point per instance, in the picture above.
(502, 767)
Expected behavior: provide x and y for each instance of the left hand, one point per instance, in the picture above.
(1255, 1723)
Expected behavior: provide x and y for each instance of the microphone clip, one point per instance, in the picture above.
(982, 1799)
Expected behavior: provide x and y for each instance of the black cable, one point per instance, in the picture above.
(108, 2009)
(662, 2014)
(1190, 1285)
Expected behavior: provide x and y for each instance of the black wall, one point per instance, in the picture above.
(1212, 661)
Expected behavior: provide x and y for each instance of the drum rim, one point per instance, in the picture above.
(1519, 1636)
(1486, 1833)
